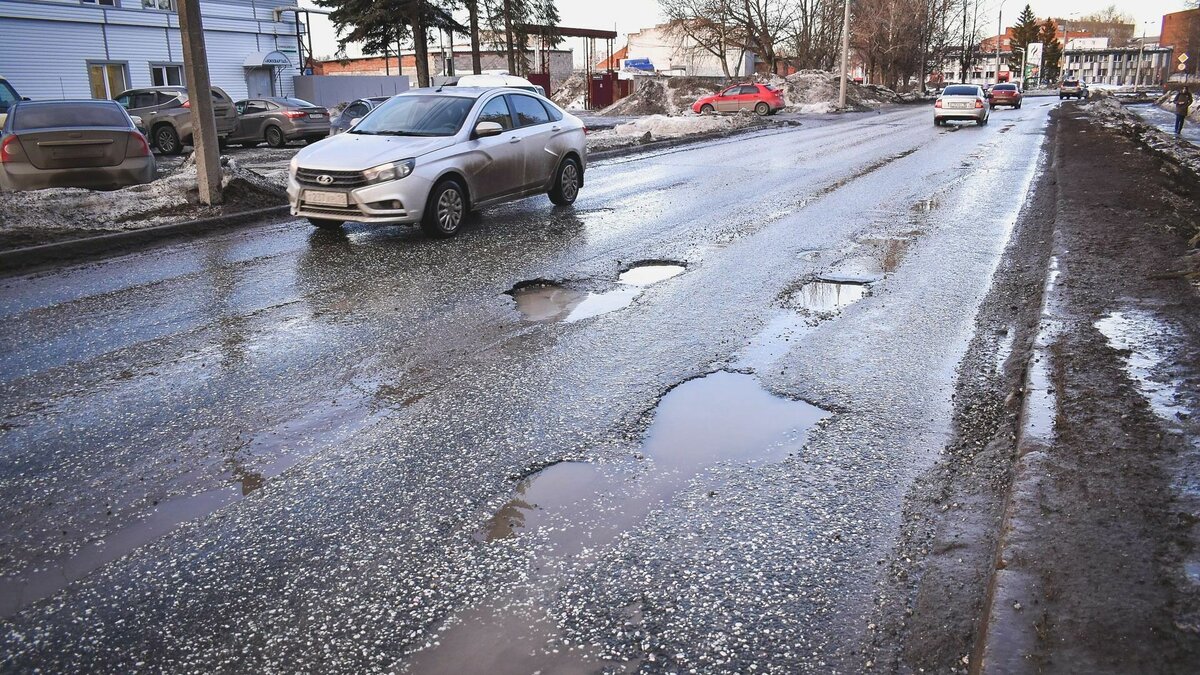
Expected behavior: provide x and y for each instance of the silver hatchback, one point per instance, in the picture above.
(429, 157)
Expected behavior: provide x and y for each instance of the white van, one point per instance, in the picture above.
(499, 80)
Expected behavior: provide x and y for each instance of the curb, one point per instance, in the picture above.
(86, 247)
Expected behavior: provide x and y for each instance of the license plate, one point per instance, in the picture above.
(317, 116)
(77, 153)
(961, 105)
(326, 198)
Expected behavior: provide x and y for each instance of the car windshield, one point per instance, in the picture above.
(961, 90)
(295, 103)
(422, 115)
(68, 114)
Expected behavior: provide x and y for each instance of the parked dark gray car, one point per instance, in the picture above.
(353, 111)
(167, 114)
(86, 144)
(279, 120)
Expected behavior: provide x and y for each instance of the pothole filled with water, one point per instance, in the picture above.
(549, 301)
(822, 296)
(571, 510)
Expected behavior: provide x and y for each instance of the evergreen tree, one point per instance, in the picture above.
(1025, 32)
(381, 24)
(1052, 51)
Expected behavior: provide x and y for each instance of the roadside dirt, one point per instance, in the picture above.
(1104, 529)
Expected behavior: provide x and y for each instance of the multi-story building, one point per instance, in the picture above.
(1119, 66)
(97, 48)
(1181, 31)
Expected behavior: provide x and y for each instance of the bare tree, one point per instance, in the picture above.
(704, 26)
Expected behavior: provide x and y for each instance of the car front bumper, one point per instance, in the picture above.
(24, 176)
(394, 202)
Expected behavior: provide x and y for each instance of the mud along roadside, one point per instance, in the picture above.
(1078, 398)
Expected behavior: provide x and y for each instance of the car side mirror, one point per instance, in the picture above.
(26, 98)
(488, 129)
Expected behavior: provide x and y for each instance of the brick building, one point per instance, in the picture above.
(1181, 31)
(560, 60)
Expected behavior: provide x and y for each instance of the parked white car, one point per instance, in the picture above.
(492, 80)
(431, 156)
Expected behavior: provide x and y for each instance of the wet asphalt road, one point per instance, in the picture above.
(298, 450)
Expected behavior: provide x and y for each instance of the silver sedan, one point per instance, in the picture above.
(961, 102)
(430, 157)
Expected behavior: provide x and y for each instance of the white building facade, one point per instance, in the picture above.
(1119, 66)
(671, 52)
(53, 49)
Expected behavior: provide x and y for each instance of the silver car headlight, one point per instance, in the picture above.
(390, 171)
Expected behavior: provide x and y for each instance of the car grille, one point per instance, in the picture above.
(341, 179)
(349, 212)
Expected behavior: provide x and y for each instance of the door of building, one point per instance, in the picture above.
(259, 83)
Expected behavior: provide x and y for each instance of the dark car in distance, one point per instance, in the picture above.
(85, 144)
(277, 121)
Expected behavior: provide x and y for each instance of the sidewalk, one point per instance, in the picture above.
(1165, 121)
(1098, 569)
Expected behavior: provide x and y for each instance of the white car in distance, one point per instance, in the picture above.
(430, 156)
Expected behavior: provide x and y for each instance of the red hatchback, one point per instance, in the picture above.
(1005, 94)
(761, 98)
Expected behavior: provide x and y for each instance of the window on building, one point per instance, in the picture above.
(107, 79)
(102, 3)
(164, 5)
(166, 74)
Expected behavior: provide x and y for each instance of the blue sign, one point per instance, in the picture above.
(639, 64)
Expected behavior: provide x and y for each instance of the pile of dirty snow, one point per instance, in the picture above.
(172, 198)
(1107, 110)
(663, 127)
(816, 91)
(572, 93)
(660, 95)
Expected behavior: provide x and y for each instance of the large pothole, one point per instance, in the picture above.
(543, 301)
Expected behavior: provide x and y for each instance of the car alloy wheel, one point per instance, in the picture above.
(762, 109)
(167, 140)
(706, 109)
(570, 181)
(449, 210)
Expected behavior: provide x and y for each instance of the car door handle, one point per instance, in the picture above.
(555, 128)
(514, 139)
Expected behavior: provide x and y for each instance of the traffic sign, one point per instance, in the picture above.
(1183, 57)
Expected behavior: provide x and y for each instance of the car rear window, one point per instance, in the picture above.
(1005, 87)
(961, 90)
(295, 103)
(1070, 83)
(57, 114)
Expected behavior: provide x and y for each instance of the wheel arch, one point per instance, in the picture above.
(457, 176)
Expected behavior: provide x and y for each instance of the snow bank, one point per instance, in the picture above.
(1167, 102)
(662, 127)
(1107, 110)
(659, 95)
(572, 93)
(172, 198)
(816, 91)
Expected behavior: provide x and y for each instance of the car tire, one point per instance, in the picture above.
(446, 209)
(274, 137)
(1017, 106)
(566, 182)
(166, 139)
(324, 224)
(981, 122)
(762, 109)
(707, 109)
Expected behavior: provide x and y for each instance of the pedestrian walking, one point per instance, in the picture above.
(1183, 101)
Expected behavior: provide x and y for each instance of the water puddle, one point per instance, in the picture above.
(871, 259)
(572, 510)
(543, 301)
(1139, 334)
(823, 297)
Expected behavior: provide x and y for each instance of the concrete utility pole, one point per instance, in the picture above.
(845, 58)
(204, 124)
(999, 37)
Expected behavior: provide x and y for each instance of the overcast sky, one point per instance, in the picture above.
(633, 15)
